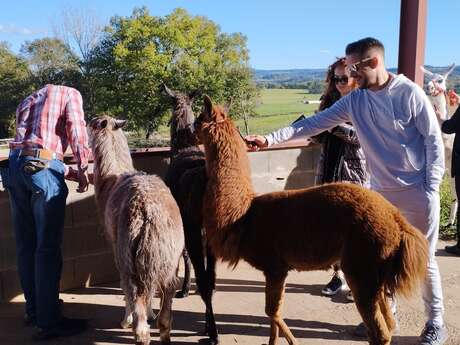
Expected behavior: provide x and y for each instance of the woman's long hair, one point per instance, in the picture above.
(331, 94)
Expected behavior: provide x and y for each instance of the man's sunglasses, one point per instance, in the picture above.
(342, 79)
(356, 66)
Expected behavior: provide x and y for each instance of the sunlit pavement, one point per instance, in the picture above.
(239, 309)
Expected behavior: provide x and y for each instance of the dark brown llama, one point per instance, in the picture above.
(307, 229)
(144, 225)
(187, 179)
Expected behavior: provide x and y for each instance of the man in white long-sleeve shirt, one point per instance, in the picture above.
(398, 131)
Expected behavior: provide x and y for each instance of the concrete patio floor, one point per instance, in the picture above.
(239, 308)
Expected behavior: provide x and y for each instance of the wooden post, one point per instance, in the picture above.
(412, 32)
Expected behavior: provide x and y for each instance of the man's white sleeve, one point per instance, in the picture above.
(336, 114)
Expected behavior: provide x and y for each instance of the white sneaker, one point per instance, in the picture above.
(350, 296)
(433, 335)
(334, 286)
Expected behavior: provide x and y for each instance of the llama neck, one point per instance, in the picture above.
(111, 159)
(229, 181)
(182, 136)
(439, 101)
(183, 140)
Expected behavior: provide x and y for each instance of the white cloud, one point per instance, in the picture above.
(325, 51)
(14, 29)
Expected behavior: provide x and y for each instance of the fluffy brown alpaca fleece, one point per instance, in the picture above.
(307, 229)
(144, 225)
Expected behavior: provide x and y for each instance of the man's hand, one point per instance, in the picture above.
(256, 142)
(73, 175)
(82, 181)
(80, 176)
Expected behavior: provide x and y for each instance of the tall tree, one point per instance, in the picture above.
(186, 52)
(14, 86)
(80, 29)
(51, 61)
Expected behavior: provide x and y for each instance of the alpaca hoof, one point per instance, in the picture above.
(182, 294)
(126, 324)
(142, 339)
(214, 341)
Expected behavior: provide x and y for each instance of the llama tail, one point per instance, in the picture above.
(409, 265)
(135, 258)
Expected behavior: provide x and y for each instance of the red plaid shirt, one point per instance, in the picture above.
(51, 118)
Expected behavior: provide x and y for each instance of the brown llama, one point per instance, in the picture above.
(187, 179)
(307, 229)
(144, 225)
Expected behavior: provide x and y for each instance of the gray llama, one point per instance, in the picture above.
(144, 225)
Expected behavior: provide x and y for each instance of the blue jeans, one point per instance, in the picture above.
(37, 200)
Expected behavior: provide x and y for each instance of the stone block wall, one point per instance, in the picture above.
(88, 256)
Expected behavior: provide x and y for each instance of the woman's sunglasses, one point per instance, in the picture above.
(342, 80)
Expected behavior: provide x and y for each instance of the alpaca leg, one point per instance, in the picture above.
(141, 327)
(186, 283)
(165, 316)
(205, 276)
(211, 285)
(386, 311)
(129, 304)
(128, 318)
(367, 301)
(274, 295)
(150, 314)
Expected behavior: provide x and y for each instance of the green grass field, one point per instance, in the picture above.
(278, 108)
(285, 102)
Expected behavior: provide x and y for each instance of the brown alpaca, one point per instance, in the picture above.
(144, 225)
(307, 229)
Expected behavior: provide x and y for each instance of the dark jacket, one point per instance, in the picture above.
(342, 158)
(452, 126)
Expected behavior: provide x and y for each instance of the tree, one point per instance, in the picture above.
(14, 86)
(241, 94)
(51, 62)
(80, 29)
(186, 52)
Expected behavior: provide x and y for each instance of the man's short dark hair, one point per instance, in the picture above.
(363, 45)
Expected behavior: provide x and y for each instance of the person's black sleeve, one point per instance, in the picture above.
(453, 124)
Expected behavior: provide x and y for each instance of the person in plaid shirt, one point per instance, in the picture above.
(46, 123)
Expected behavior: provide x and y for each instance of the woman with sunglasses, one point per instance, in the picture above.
(342, 158)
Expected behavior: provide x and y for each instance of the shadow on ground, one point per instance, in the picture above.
(104, 319)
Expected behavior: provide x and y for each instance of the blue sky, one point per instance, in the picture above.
(281, 34)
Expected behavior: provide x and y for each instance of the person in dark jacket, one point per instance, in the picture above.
(341, 159)
(452, 126)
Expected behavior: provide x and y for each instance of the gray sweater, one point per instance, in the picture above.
(397, 129)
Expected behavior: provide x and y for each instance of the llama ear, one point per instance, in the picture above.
(102, 124)
(168, 90)
(119, 124)
(426, 71)
(207, 105)
(449, 71)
